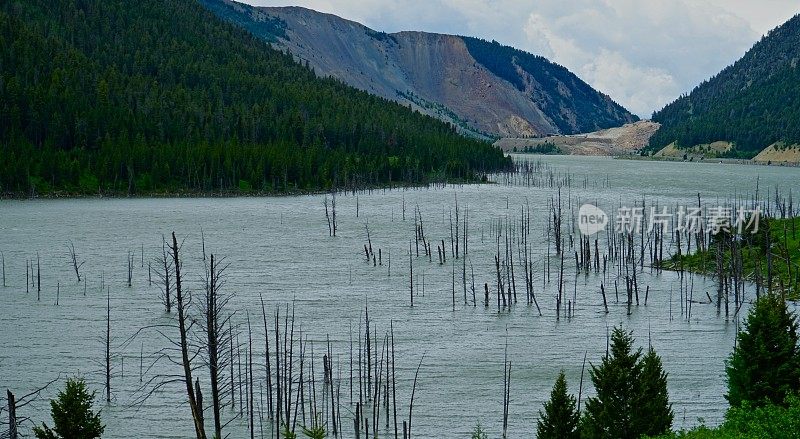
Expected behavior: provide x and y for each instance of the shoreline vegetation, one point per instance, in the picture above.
(636, 157)
(770, 257)
(718, 160)
(237, 193)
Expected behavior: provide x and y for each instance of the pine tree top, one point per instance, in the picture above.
(72, 414)
(765, 365)
(560, 418)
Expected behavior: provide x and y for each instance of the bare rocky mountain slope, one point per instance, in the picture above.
(619, 141)
(483, 88)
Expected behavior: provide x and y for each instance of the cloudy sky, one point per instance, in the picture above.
(643, 54)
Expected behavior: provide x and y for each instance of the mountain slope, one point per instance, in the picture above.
(481, 87)
(753, 103)
(161, 95)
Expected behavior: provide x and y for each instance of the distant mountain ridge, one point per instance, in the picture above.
(483, 88)
(751, 104)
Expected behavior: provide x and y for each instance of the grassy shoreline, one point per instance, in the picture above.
(779, 267)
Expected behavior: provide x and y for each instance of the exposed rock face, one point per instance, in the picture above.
(623, 140)
(433, 73)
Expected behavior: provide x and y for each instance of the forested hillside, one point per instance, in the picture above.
(753, 103)
(571, 104)
(161, 95)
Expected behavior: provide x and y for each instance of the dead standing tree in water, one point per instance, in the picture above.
(13, 405)
(108, 345)
(164, 274)
(182, 303)
(73, 257)
(330, 216)
(216, 328)
(555, 210)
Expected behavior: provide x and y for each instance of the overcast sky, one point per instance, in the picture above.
(642, 53)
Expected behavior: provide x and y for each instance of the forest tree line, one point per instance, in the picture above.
(124, 97)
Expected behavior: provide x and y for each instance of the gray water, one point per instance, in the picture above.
(278, 248)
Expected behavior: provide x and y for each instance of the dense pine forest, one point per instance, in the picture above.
(546, 83)
(115, 96)
(753, 103)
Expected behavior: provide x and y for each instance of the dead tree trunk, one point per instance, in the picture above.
(165, 275)
(328, 216)
(183, 319)
(74, 260)
(249, 378)
(407, 433)
(12, 416)
(216, 336)
(266, 360)
(333, 211)
(108, 345)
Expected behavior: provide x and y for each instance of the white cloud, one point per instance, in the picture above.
(642, 54)
(643, 57)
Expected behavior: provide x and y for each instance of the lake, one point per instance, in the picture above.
(279, 249)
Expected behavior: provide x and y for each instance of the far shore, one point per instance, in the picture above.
(728, 161)
(230, 193)
(636, 157)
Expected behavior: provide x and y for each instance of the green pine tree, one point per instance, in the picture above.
(653, 415)
(609, 415)
(287, 433)
(765, 365)
(72, 414)
(478, 432)
(316, 431)
(560, 418)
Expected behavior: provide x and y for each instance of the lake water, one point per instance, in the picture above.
(278, 248)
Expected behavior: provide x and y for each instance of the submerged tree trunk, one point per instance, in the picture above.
(181, 303)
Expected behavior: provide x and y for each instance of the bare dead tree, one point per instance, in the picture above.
(73, 257)
(14, 404)
(38, 277)
(216, 329)
(333, 211)
(250, 377)
(108, 345)
(184, 342)
(164, 274)
(266, 360)
(411, 403)
(12, 416)
(182, 303)
(130, 268)
(328, 216)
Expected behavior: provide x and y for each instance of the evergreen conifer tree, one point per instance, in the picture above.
(653, 415)
(560, 418)
(72, 414)
(765, 365)
(616, 380)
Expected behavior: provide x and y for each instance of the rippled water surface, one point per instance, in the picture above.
(279, 249)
